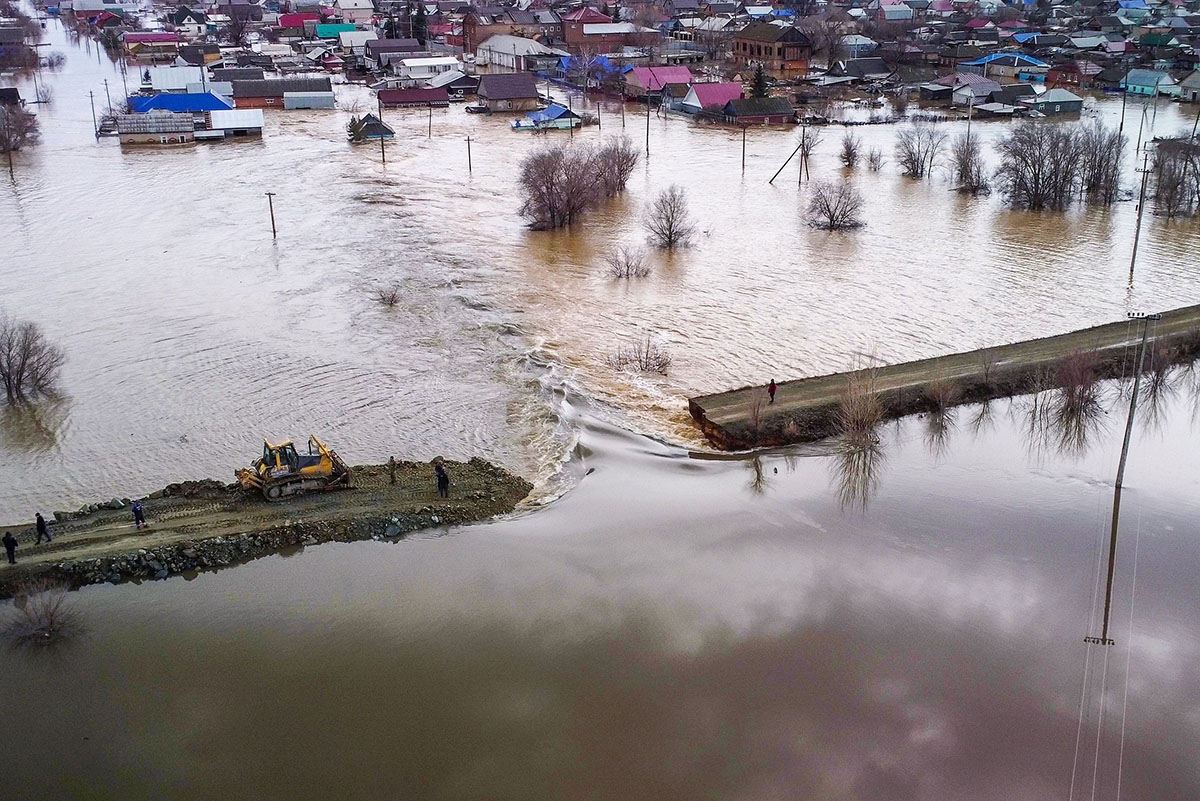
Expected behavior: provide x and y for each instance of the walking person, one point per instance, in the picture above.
(138, 516)
(10, 547)
(443, 480)
(42, 529)
(771, 388)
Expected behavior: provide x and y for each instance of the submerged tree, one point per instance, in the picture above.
(562, 181)
(1039, 165)
(1100, 171)
(835, 207)
(1176, 174)
(18, 129)
(29, 364)
(851, 145)
(966, 158)
(918, 147)
(667, 219)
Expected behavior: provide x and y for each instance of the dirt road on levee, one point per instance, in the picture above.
(185, 519)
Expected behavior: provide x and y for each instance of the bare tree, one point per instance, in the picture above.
(966, 157)
(668, 220)
(29, 365)
(918, 147)
(645, 355)
(627, 262)
(1103, 149)
(851, 145)
(835, 207)
(825, 37)
(1176, 177)
(42, 612)
(389, 297)
(1039, 165)
(900, 104)
(875, 159)
(235, 32)
(616, 159)
(18, 129)
(562, 181)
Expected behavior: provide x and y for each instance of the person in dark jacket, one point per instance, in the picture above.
(10, 547)
(139, 516)
(771, 388)
(443, 480)
(42, 529)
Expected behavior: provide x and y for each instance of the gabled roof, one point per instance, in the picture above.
(508, 86)
(149, 38)
(180, 103)
(654, 78)
(377, 46)
(586, 14)
(714, 94)
(1057, 96)
(297, 19)
(759, 31)
(400, 97)
(276, 87)
(759, 107)
(1147, 78)
(552, 112)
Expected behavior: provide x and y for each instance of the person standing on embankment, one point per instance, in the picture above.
(10, 547)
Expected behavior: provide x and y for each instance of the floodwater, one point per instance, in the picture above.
(672, 628)
(905, 623)
(190, 332)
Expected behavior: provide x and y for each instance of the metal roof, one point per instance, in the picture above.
(236, 118)
(180, 103)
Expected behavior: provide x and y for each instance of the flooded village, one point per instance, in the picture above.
(702, 399)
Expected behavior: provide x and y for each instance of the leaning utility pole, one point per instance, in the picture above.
(271, 206)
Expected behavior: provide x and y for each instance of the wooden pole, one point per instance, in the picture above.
(95, 127)
(469, 154)
(743, 148)
(647, 123)
(789, 158)
(271, 206)
(1137, 229)
(382, 150)
(430, 121)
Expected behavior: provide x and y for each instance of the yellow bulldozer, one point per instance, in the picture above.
(282, 472)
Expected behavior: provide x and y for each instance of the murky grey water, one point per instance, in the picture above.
(673, 627)
(191, 333)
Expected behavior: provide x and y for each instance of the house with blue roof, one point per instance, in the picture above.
(1004, 65)
(196, 103)
(554, 116)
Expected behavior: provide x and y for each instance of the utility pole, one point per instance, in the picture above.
(647, 123)
(1137, 229)
(95, 127)
(430, 121)
(107, 97)
(743, 148)
(271, 206)
(382, 149)
(1124, 96)
(469, 155)
(571, 114)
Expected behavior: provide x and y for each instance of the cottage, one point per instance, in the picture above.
(188, 23)
(781, 50)
(1073, 73)
(381, 52)
(456, 83)
(869, 70)
(480, 24)
(270, 92)
(293, 24)
(1005, 65)
(711, 96)
(150, 45)
(553, 117)
(573, 22)
(354, 43)
(159, 127)
(1149, 82)
(413, 98)
(416, 71)
(508, 91)
(759, 111)
(649, 81)
(1054, 101)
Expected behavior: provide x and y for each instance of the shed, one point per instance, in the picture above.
(1054, 101)
(304, 100)
(238, 122)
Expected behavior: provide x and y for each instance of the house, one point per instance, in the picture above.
(1012, 94)
(308, 100)
(159, 127)
(868, 70)
(293, 24)
(371, 127)
(508, 91)
(417, 70)
(1189, 87)
(1054, 101)
(1005, 65)
(573, 22)
(199, 54)
(380, 52)
(150, 45)
(413, 98)
(713, 96)
(244, 10)
(781, 50)
(516, 53)
(270, 92)
(173, 79)
(233, 124)
(1073, 73)
(354, 11)
(480, 24)
(332, 30)
(1149, 82)
(188, 23)
(893, 11)
(649, 81)
(354, 43)
(10, 96)
(856, 45)
(194, 103)
(966, 88)
(759, 111)
(608, 36)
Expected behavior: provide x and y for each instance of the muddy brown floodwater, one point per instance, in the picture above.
(812, 624)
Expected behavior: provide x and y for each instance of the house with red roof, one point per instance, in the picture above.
(714, 96)
(643, 81)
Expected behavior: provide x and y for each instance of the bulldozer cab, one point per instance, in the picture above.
(280, 460)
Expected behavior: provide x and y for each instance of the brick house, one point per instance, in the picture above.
(781, 50)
